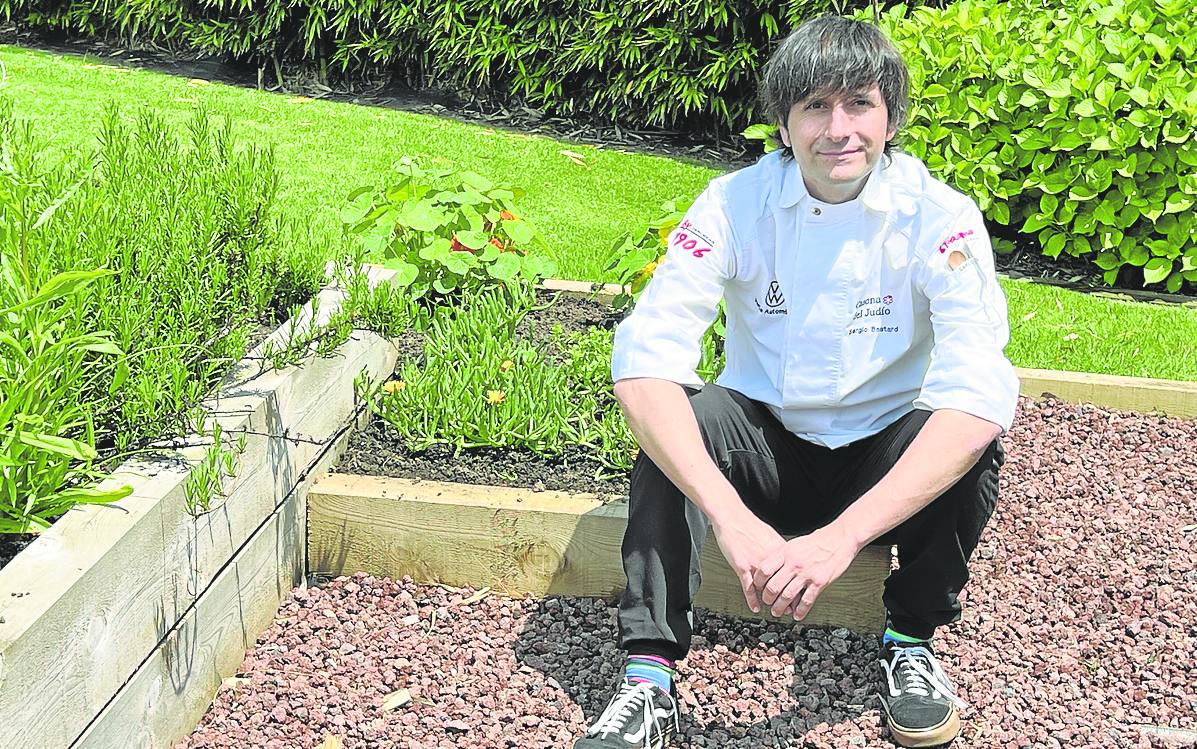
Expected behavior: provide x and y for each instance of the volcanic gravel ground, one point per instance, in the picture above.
(1079, 630)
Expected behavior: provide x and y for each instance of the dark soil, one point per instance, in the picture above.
(11, 544)
(1078, 274)
(1077, 632)
(377, 449)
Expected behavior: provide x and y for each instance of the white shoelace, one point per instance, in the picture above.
(619, 711)
(921, 680)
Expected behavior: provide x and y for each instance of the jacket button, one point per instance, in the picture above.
(817, 211)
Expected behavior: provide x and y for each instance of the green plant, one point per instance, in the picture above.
(481, 384)
(1072, 125)
(47, 437)
(634, 258)
(633, 261)
(671, 63)
(444, 231)
(206, 481)
(192, 262)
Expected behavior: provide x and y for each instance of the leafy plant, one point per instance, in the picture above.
(444, 231)
(672, 63)
(633, 261)
(47, 437)
(481, 383)
(1070, 124)
(191, 261)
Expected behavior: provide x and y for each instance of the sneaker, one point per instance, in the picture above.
(920, 704)
(640, 715)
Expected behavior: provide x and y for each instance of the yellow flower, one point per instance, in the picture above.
(664, 233)
(495, 397)
(394, 386)
(506, 365)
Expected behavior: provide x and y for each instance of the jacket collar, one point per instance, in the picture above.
(876, 195)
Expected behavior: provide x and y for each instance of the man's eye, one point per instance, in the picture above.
(864, 102)
(815, 105)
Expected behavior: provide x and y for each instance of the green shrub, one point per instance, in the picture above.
(444, 231)
(677, 64)
(1070, 125)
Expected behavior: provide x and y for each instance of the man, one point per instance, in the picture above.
(864, 391)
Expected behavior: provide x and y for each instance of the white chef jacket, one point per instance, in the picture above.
(841, 318)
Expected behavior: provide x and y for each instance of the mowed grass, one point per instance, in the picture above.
(325, 149)
(1057, 329)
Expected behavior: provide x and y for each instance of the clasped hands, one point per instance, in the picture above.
(785, 576)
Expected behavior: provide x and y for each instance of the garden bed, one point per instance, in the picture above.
(376, 450)
(130, 612)
(1077, 632)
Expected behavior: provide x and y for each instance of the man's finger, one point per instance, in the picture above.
(750, 594)
(802, 608)
(775, 586)
(786, 599)
(766, 569)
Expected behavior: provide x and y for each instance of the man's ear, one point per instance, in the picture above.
(784, 134)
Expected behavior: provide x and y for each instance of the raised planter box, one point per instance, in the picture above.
(120, 620)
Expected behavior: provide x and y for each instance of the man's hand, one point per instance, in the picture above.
(744, 540)
(794, 575)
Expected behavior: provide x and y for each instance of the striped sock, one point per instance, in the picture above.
(892, 635)
(650, 668)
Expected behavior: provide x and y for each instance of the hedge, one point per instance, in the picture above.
(676, 64)
(1073, 127)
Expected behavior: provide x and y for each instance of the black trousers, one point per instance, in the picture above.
(795, 486)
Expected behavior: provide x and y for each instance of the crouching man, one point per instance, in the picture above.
(864, 391)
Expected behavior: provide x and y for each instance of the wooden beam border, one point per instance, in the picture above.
(517, 541)
(94, 603)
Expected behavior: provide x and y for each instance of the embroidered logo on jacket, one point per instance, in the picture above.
(873, 309)
(774, 301)
(688, 237)
(953, 239)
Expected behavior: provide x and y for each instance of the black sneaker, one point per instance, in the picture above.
(920, 704)
(640, 715)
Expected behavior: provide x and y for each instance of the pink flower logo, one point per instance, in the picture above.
(888, 299)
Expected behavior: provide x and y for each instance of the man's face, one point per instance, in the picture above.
(837, 138)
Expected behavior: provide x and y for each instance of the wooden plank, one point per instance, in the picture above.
(602, 292)
(1171, 397)
(171, 691)
(517, 541)
(86, 603)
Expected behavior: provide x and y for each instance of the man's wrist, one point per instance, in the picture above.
(723, 509)
(851, 531)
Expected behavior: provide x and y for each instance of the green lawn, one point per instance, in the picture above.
(326, 149)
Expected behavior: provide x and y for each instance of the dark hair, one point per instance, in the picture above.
(834, 54)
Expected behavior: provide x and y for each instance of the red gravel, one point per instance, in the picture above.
(1080, 628)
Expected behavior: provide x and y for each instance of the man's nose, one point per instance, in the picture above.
(839, 124)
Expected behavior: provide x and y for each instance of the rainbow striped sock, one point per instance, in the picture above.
(895, 636)
(650, 668)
